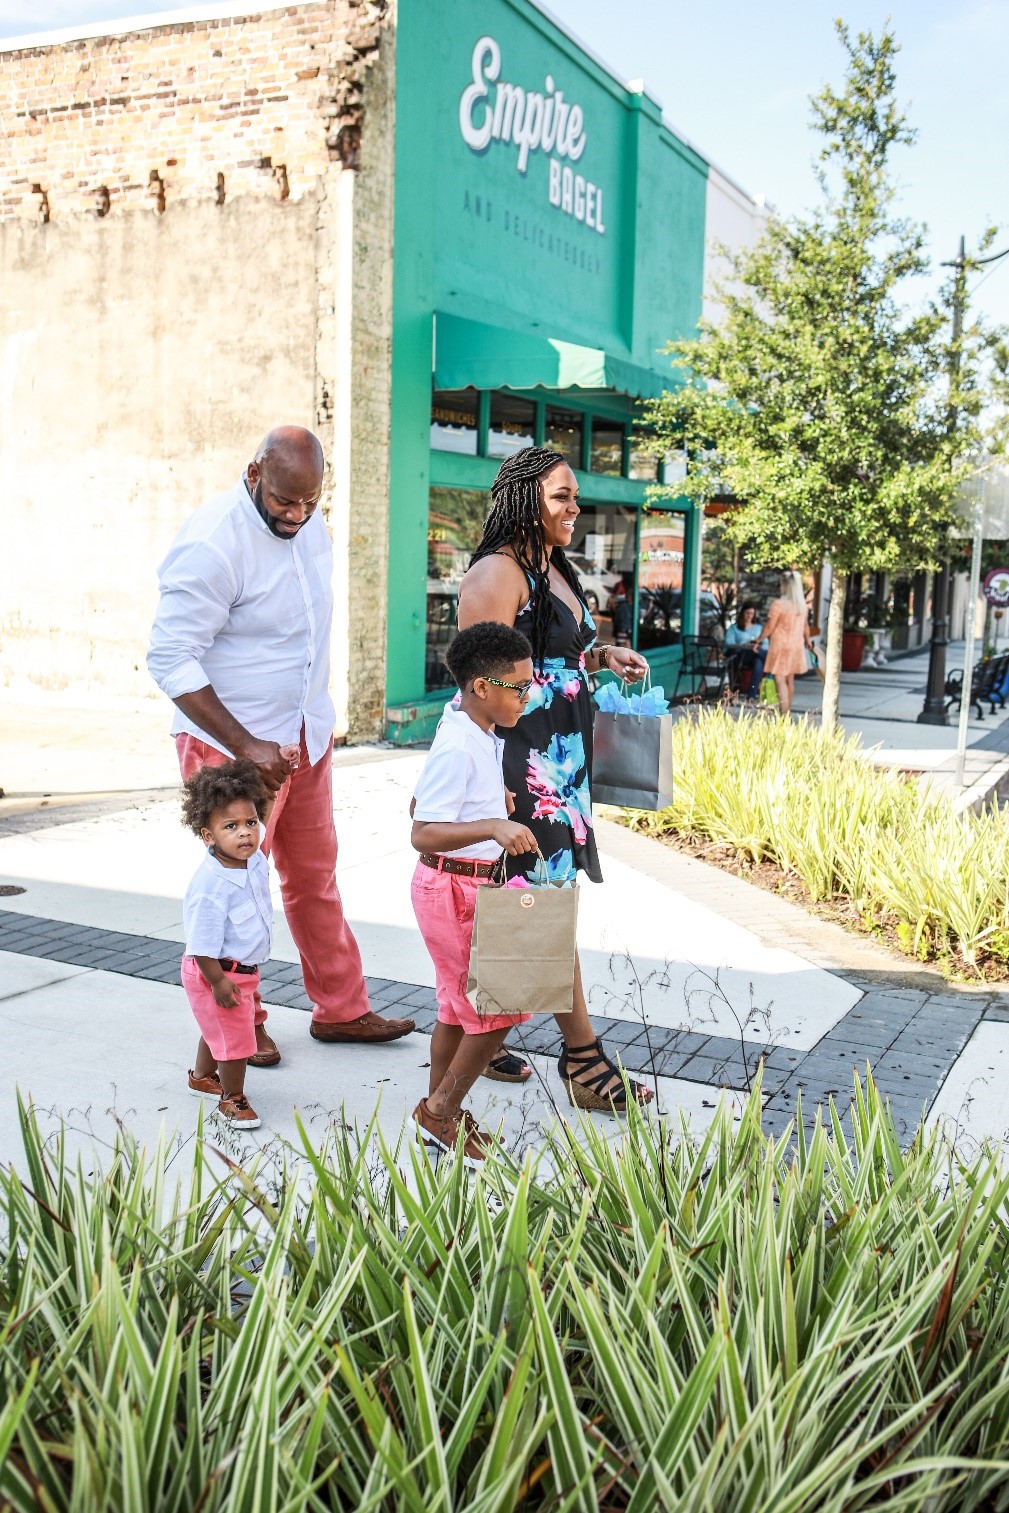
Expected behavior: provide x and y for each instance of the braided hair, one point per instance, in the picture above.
(515, 521)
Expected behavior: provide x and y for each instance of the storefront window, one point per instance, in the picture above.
(607, 448)
(675, 467)
(602, 554)
(455, 525)
(564, 430)
(660, 578)
(512, 425)
(455, 420)
(643, 466)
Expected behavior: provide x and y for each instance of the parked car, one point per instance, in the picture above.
(597, 583)
(660, 615)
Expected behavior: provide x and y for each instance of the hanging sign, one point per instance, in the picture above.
(996, 587)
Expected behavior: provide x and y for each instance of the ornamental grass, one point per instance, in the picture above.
(661, 1322)
(889, 848)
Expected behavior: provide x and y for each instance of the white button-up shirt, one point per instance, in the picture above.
(250, 614)
(228, 911)
(463, 779)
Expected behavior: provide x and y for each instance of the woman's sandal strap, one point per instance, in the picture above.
(597, 1083)
(507, 1061)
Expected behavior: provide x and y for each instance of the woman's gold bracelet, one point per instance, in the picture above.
(601, 651)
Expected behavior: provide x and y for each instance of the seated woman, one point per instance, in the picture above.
(745, 645)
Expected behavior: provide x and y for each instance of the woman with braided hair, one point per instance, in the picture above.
(520, 576)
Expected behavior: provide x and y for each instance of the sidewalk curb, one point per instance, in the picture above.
(993, 785)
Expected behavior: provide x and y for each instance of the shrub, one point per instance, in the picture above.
(659, 1322)
(808, 800)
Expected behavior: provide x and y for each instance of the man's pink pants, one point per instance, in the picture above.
(301, 841)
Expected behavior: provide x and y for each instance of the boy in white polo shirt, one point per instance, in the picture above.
(460, 828)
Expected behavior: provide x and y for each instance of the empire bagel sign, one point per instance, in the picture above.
(491, 110)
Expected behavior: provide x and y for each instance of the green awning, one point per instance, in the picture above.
(469, 354)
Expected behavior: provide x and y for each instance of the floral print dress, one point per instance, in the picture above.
(548, 754)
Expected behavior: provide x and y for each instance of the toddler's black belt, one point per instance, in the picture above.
(458, 865)
(235, 966)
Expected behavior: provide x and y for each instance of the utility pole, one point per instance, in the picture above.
(934, 709)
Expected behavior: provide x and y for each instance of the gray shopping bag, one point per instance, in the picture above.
(632, 760)
(522, 960)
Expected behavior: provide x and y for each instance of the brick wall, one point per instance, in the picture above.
(151, 117)
(146, 349)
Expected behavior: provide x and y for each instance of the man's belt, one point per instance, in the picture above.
(458, 865)
(235, 966)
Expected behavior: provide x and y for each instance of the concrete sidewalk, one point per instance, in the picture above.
(880, 706)
(692, 975)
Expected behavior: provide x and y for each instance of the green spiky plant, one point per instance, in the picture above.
(807, 799)
(819, 1321)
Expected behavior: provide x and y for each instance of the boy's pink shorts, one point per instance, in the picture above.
(444, 905)
(230, 1033)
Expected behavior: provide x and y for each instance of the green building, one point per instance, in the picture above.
(550, 239)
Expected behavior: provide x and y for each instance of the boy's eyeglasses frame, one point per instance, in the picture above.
(520, 688)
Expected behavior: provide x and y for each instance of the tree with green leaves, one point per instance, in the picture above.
(841, 419)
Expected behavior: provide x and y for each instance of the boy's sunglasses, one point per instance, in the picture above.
(520, 688)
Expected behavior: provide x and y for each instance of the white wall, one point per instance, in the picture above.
(732, 220)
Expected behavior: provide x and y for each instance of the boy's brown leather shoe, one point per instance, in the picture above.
(440, 1132)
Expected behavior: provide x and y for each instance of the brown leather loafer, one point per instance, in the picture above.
(370, 1029)
(268, 1054)
(265, 1058)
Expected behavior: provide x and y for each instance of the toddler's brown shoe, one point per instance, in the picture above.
(205, 1087)
(238, 1111)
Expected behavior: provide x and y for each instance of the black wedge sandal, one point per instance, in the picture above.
(589, 1093)
(507, 1067)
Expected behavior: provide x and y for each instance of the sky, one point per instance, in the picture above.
(735, 78)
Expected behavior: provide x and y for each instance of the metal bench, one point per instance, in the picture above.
(988, 682)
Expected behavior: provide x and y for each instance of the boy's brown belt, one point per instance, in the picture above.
(458, 865)
(235, 966)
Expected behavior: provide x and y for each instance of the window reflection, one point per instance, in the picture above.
(660, 578)
(512, 425)
(602, 554)
(455, 420)
(642, 465)
(455, 525)
(564, 431)
(607, 448)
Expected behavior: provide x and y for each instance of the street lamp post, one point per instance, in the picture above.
(934, 709)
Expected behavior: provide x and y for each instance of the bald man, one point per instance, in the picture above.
(240, 645)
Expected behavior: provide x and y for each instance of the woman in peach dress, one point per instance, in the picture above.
(787, 631)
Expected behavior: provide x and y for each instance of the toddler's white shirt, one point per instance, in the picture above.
(463, 780)
(228, 911)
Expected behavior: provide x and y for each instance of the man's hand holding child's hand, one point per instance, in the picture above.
(513, 838)
(227, 993)
(291, 755)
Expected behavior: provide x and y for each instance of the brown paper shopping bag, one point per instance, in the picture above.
(522, 960)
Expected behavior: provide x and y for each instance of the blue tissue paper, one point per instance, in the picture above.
(611, 699)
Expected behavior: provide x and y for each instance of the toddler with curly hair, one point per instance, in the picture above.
(228, 917)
